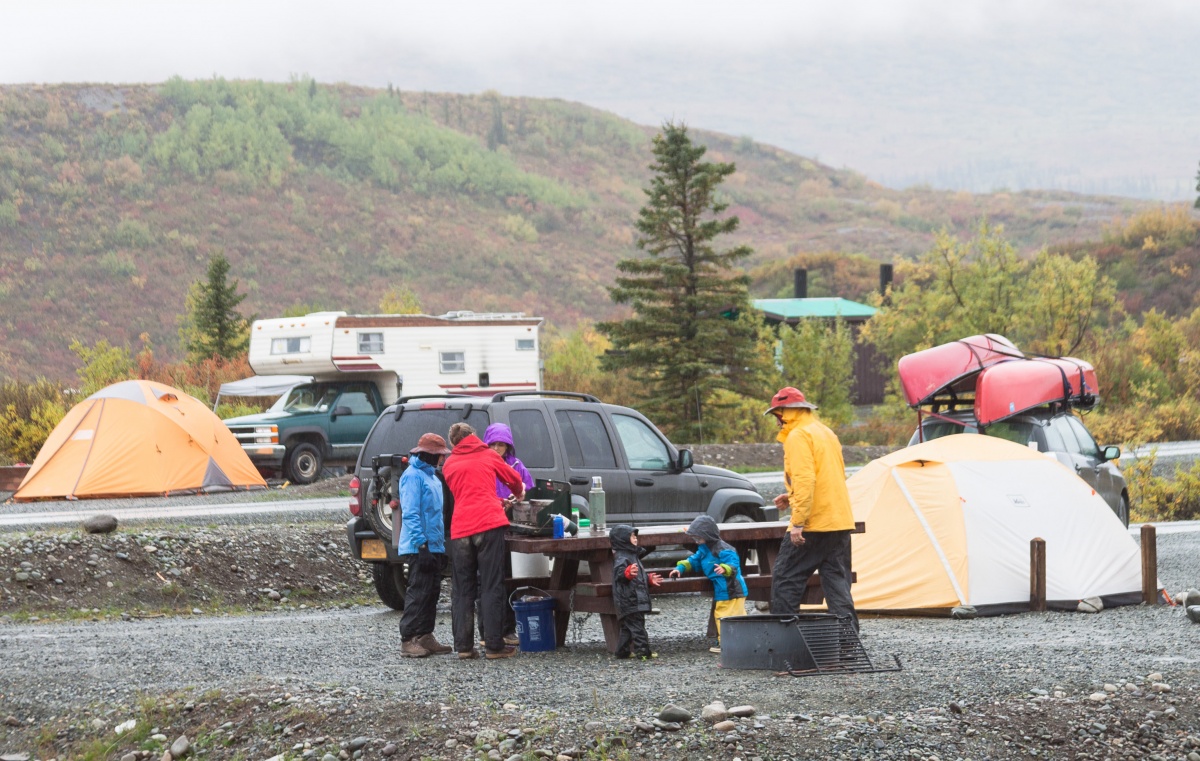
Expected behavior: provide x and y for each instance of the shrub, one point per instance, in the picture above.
(28, 413)
(519, 229)
(1157, 231)
(1154, 498)
(132, 233)
(9, 215)
(118, 265)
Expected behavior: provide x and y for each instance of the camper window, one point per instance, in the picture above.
(299, 345)
(454, 362)
(370, 343)
(525, 344)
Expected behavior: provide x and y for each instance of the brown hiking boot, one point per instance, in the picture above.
(412, 648)
(468, 655)
(430, 643)
(507, 652)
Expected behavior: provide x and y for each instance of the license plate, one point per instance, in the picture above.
(373, 549)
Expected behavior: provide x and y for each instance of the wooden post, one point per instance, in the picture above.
(1149, 564)
(1037, 575)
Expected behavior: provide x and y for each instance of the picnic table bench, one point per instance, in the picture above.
(593, 594)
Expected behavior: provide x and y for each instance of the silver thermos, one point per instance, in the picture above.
(596, 506)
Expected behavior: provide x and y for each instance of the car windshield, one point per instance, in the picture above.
(307, 398)
(1019, 432)
(936, 429)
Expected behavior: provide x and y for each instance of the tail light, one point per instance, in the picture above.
(355, 504)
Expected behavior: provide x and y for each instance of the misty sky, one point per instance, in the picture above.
(1094, 97)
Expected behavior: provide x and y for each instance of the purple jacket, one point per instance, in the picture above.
(502, 433)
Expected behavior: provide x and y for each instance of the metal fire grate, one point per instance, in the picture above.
(833, 647)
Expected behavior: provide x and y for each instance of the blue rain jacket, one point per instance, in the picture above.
(421, 509)
(725, 587)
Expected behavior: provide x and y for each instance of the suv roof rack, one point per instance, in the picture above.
(568, 394)
(404, 399)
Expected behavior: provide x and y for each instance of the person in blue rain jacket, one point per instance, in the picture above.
(718, 560)
(422, 545)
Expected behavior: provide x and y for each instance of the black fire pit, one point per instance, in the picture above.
(799, 644)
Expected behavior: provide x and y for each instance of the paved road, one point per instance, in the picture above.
(243, 512)
(1168, 454)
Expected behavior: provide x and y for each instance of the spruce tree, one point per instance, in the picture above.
(213, 327)
(692, 333)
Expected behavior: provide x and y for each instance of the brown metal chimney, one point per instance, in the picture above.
(885, 278)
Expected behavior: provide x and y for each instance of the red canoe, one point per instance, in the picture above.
(952, 367)
(1009, 388)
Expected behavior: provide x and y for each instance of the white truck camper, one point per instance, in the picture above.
(340, 371)
(405, 355)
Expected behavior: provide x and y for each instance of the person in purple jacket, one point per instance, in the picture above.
(499, 437)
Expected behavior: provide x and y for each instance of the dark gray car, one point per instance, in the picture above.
(1058, 432)
(564, 437)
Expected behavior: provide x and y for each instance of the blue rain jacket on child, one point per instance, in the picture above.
(714, 552)
(421, 509)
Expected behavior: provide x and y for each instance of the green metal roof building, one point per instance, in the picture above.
(869, 381)
(791, 310)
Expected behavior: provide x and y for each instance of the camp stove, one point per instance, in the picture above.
(803, 644)
(533, 516)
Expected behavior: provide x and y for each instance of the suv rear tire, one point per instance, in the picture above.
(390, 584)
(304, 463)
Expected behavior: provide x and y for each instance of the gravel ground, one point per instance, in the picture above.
(51, 669)
(1007, 687)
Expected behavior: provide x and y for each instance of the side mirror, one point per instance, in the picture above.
(340, 411)
(1112, 452)
(685, 459)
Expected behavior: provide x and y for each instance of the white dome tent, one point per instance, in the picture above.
(949, 524)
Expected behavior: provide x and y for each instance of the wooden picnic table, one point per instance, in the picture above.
(593, 594)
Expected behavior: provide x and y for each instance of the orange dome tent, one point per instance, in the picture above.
(138, 438)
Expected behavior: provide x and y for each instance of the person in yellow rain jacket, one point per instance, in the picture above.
(818, 537)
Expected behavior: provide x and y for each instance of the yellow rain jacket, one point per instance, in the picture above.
(815, 473)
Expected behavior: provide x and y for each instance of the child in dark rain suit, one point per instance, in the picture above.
(631, 592)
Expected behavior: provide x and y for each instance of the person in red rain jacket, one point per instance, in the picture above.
(477, 549)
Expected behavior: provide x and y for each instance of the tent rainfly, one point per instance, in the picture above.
(138, 438)
(949, 524)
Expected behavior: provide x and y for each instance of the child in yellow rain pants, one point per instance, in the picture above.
(717, 560)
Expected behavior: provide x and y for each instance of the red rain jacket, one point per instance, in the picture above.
(471, 471)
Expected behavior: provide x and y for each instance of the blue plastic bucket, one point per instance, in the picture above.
(535, 622)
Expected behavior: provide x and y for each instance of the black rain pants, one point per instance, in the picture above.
(477, 573)
(824, 551)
